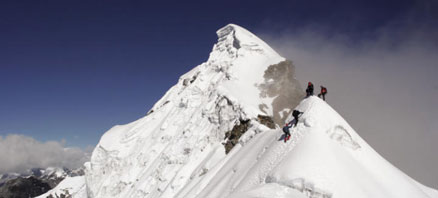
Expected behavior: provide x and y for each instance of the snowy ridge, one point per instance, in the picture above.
(312, 164)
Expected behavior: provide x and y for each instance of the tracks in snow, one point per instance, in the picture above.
(272, 157)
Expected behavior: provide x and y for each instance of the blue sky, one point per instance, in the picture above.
(73, 69)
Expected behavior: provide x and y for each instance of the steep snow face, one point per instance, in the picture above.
(181, 138)
(324, 158)
(245, 60)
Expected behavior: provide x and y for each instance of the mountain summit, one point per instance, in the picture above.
(216, 133)
(183, 135)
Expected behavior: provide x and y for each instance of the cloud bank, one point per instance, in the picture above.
(385, 85)
(19, 153)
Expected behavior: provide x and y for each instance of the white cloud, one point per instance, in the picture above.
(19, 153)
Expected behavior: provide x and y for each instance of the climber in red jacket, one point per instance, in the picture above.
(323, 92)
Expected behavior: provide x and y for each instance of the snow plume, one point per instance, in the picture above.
(385, 84)
(19, 153)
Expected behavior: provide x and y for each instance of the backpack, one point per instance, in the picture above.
(286, 129)
(324, 90)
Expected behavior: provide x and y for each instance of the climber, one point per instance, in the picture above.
(309, 89)
(295, 114)
(286, 130)
(323, 92)
(289, 125)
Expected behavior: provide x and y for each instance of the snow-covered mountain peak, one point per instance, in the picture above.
(214, 134)
(235, 41)
(201, 118)
(244, 68)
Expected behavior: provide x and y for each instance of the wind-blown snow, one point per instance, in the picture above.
(177, 149)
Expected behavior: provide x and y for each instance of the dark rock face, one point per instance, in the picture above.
(23, 188)
(233, 136)
(53, 182)
(267, 121)
(280, 83)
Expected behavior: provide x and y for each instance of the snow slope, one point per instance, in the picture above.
(177, 149)
(324, 158)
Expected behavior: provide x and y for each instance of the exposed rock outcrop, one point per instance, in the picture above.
(267, 121)
(233, 136)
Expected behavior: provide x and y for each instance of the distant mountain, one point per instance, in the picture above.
(23, 187)
(217, 133)
(34, 182)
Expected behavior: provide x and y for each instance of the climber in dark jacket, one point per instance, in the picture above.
(323, 92)
(309, 89)
(295, 114)
(289, 125)
(286, 130)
